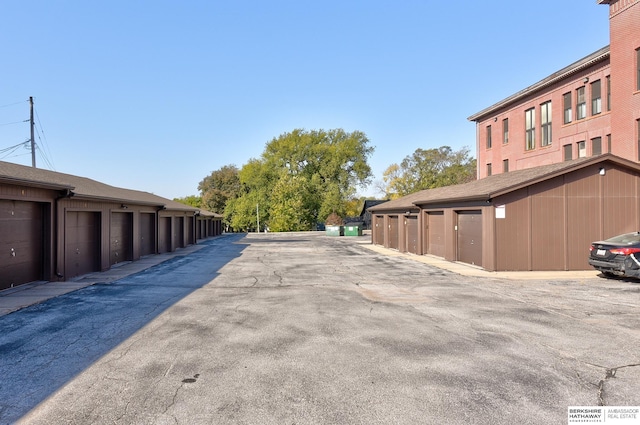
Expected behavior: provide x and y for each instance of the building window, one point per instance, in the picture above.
(567, 152)
(568, 110)
(505, 131)
(505, 165)
(581, 105)
(488, 169)
(488, 137)
(608, 79)
(596, 99)
(530, 128)
(608, 143)
(545, 123)
(582, 149)
(596, 146)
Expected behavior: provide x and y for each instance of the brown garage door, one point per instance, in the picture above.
(411, 227)
(190, 230)
(470, 237)
(435, 233)
(82, 243)
(393, 232)
(379, 230)
(179, 232)
(164, 235)
(121, 237)
(21, 243)
(147, 234)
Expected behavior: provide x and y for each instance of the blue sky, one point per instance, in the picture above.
(155, 95)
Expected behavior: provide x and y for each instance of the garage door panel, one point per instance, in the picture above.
(470, 237)
(393, 232)
(82, 243)
(21, 243)
(412, 234)
(435, 234)
(121, 237)
(147, 234)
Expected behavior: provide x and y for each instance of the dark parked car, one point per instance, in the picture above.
(617, 256)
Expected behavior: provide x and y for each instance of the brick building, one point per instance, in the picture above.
(558, 168)
(587, 108)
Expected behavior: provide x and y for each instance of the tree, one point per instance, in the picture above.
(191, 200)
(302, 177)
(428, 169)
(217, 188)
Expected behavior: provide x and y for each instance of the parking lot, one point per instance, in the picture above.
(303, 328)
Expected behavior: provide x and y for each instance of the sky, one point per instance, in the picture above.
(155, 95)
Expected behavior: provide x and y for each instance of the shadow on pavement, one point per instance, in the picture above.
(42, 347)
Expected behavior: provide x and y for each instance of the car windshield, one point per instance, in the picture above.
(626, 239)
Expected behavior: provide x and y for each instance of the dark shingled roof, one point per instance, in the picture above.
(497, 184)
(83, 187)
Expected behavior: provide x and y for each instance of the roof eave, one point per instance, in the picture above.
(35, 183)
(584, 63)
(471, 198)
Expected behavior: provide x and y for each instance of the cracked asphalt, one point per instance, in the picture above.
(303, 328)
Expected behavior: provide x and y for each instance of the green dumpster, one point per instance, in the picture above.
(354, 230)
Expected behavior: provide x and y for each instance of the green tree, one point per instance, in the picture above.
(191, 200)
(428, 169)
(219, 187)
(301, 177)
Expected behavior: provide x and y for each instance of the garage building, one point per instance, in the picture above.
(56, 226)
(541, 218)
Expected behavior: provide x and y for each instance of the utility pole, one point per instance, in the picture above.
(33, 142)
(258, 217)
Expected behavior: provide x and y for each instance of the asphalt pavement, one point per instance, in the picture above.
(305, 328)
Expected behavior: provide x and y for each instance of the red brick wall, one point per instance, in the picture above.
(578, 130)
(621, 122)
(625, 39)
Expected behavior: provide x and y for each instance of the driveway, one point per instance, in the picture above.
(304, 329)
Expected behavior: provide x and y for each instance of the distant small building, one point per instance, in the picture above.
(365, 215)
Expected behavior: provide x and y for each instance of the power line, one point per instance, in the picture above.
(13, 122)
(46, 153)
(12, 104)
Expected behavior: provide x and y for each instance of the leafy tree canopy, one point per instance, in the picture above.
(219, 187)
(191, 200)
(300, 178)
(428, 169)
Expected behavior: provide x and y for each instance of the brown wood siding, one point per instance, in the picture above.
(147, 234)
(21, 243)
(469, 237)
(512, 232)
(121, 247)
(412, 236)
(584, 219)
(436, 233)
(548, 225)
(393, 232)
(82, 243)
(620, 203)
(164, 235)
